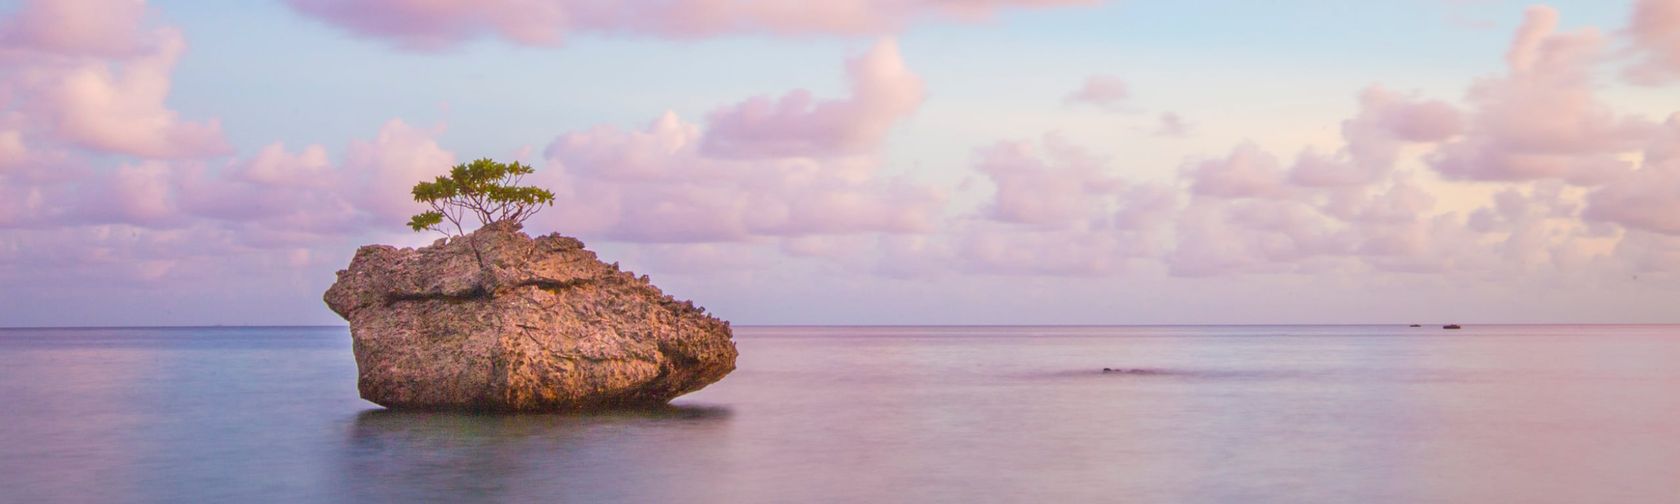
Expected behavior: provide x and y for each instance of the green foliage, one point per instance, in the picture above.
(484, 189)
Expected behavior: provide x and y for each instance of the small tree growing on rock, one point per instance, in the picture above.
(484, 189)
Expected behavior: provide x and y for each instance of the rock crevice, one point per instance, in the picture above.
(498, 320)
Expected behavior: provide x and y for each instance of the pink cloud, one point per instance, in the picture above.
(1655, 30)
(121, 109)
(1388, 227)
(306, 192)
(1172, 125)
(193, 258)
(808, 174)
(882, 90)
(386, 167)
(1222, 236)
(1045, 253)
(431, 24)
(82, 75)
(1541, 120)
(1247, 172)
(13, 152)
(658, 185)
(276, 195)
(1648, 198)
(1403, 200)
(275, 167)
(83, 78)
(1512, 208)
(107, 28)
(133, 194)
(1440, 244)
(760, 169)
(1071, 186)
(1645, 252)
(1534, 129)
(1142, 206)
(1101, 91)
(1373, 138)
(706, 259)
(1526, 223)
(1056, 210)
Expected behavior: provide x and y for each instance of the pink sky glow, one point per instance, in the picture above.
(1531, 192)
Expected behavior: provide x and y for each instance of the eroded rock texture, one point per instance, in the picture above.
(496, 320)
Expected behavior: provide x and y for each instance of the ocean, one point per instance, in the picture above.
(1288, 414)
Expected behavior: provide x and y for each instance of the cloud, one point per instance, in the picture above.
(882, 90)
(1644, 252)
(386, 167)
(1056, 210)
(1218, 237)
(1648, 198)
(278, 191)
(1373, 138)
(1542, 120)
(1172, 125)
(100, 179)
(280, 218)
(1538, 131)
(100, 28)
(761, 168)
(120, 108)
(652, 185)
(1655, 32)
(657, 185)
(1512, 208)
(1070, 186)
(85, 133)
(1247, 172)
(433, 24)
(1401, 201)
(133, 194)
(82, 74)
(272, 195)
(1101, 91)
(995, 251)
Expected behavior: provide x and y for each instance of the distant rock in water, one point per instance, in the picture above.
(496, 320)
(1134, 371)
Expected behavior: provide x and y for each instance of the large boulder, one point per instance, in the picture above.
(496, 320)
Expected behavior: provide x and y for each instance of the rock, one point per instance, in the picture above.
(496, 320)
(1132, 371)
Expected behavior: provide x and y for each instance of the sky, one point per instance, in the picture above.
(180, 162)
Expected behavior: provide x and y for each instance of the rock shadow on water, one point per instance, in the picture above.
(443, 456)
(658, 412)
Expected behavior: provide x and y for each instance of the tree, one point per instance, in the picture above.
(483, 189)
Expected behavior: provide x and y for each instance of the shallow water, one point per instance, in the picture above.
(890, 414)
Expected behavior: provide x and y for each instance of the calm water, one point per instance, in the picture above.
(1532, 414)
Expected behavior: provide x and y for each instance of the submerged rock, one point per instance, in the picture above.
(1134, 371)
(496, 320)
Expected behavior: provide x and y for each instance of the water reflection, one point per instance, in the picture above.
(406, 456)
(1489, 414)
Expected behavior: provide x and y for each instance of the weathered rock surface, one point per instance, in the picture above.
(496, 320)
